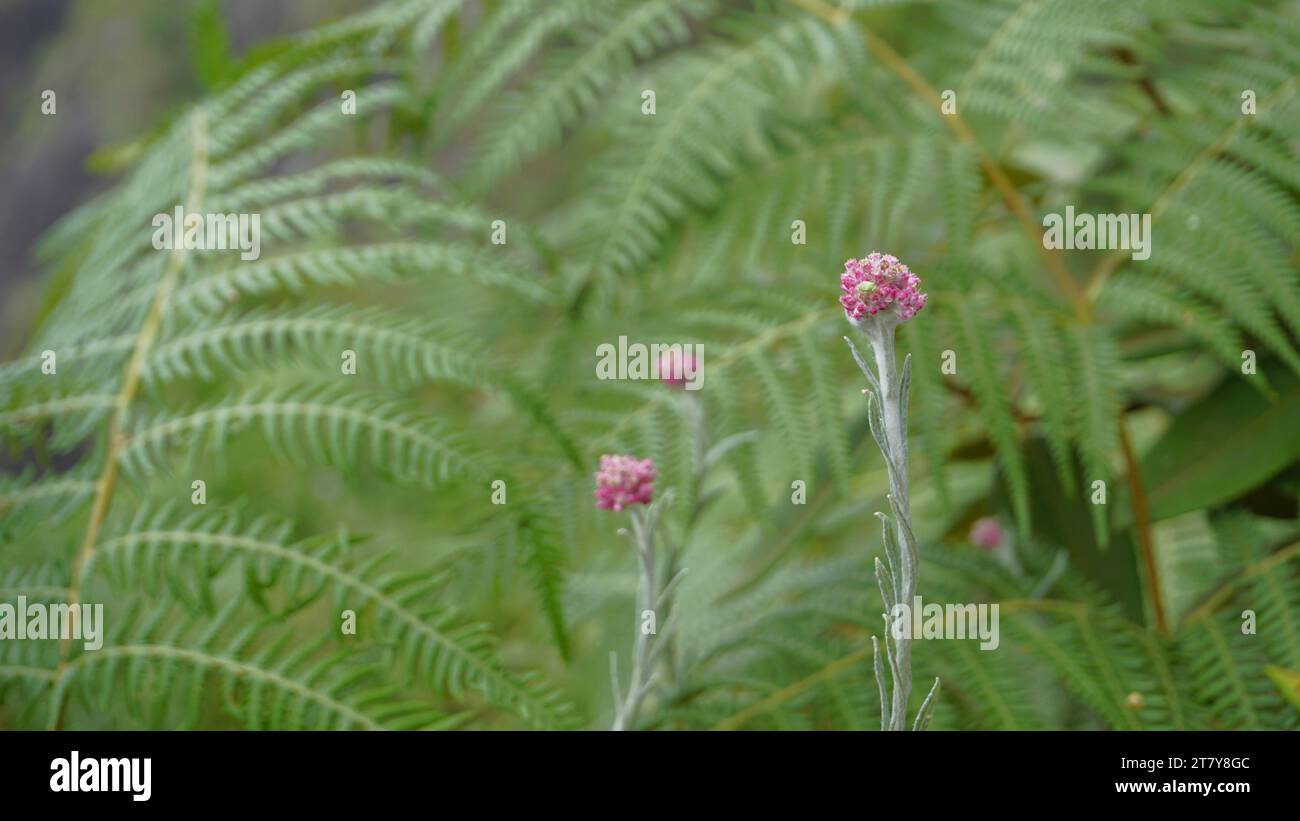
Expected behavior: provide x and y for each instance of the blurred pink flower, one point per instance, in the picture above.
(624, 481)
(674, 367)
(987, 533)
(880, 281)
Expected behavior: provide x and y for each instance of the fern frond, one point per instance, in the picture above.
(345, 266)
(974, 316)
(73, 416)
(990, 691)
(324, 216)
(1020, 56)
(328, 176)
(1048, 370)
(1224, 670)
(487, 65)
(427, 637)
(668, 166)
(1084, 649)
(929, 402)
(308, 131)
(534, 119)
(1152, 300)
(327, 423)
(159, 662)
(73, 360)
(1097, 407)
(260, 102)
(28, 502)
(397, 351)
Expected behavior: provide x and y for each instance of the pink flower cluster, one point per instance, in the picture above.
(624, 481)
(880, 281)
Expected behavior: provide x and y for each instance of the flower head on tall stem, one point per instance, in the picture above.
(879, 293)
(623, 481)
(880, 283)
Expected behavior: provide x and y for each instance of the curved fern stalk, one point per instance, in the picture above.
(882, 293)
(197, 128)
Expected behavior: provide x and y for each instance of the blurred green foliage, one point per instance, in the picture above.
(372, 493)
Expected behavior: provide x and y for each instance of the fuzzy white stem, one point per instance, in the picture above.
(882, 346)
(647, 598)
(890, 390)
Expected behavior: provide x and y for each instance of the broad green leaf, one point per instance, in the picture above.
(1232, 441)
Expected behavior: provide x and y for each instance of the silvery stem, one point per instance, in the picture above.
(898, 582)
(647, 599)
(882, 346)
